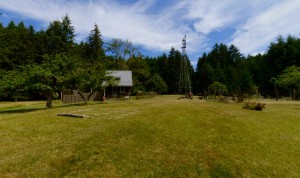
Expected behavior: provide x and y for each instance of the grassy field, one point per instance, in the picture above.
(158, 137)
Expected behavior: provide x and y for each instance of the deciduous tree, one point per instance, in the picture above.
(290, 77)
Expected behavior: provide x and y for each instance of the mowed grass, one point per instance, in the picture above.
(158, 137)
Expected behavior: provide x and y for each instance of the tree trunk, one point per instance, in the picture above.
(276, 93)
(83, 97)
(86, 99)
(294, 93)
(49, 100)
(90, 95)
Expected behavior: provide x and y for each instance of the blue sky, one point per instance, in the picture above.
(157, 25)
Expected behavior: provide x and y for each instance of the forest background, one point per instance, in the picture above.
(39, 64)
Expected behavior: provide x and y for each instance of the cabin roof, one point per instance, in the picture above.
(125, 77)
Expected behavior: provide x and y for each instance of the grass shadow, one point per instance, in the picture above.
(220, 170)
(78, 104)
(19, 109)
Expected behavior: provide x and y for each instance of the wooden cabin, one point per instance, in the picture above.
(122, 89)
(124, 84)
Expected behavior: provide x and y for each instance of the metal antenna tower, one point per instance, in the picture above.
(184, 79)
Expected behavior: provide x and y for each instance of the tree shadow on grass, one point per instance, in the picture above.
(11, 111)
(18, 109)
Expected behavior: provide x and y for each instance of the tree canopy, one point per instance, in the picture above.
(290, 78)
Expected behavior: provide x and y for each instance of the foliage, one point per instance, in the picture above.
(290, 77)
(140, 72)
(48, 77)
(92, 80)
(94, 46)
(12, 85)
(156, 84)
(218, 88)
(282, 53)
(116, 64)
(173, 70)
(226, 65)
(245, 83)
(121, 49)
(60, 36)
(17, 47)
(88, 78)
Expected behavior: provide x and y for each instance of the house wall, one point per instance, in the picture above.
(117, 92)
(110, 92)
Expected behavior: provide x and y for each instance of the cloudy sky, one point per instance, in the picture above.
(157, 25)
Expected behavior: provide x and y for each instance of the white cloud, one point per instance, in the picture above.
(256, 22)
(157, 31)
(262, 28)
(213, 15)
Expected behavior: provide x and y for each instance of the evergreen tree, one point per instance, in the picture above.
(163, 66)
(60, 37)
(153, 64)
(173, 71)
(95, 50)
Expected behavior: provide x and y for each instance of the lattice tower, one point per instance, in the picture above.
(184, 79)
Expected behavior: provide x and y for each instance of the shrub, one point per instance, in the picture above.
(254, 106)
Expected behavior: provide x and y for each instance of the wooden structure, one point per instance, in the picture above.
(123, 87)
(72, 96)
(185, 89)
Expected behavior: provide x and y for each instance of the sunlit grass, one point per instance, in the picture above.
(158, 137)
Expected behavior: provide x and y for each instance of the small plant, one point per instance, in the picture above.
(254, 106)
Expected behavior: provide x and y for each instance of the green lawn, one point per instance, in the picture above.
(158, 137)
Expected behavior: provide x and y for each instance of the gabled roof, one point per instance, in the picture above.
(125, 77)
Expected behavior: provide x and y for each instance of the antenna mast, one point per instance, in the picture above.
(185, 89)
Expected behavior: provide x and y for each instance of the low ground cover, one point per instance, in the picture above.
(157, 137)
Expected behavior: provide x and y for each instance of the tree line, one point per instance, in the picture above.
(225, 70)
(273, 74)
(40, 64)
